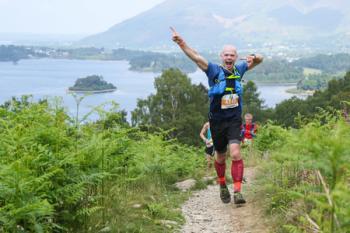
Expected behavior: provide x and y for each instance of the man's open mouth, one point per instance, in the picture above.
(229, 64)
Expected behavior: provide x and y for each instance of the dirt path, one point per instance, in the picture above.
(204, 212)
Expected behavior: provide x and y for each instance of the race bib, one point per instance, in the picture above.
(229, 101)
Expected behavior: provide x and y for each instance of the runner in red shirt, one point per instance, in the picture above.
(248, 129)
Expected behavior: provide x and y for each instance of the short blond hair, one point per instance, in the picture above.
(248, 115)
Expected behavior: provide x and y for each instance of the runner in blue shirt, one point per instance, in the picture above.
(225, 109)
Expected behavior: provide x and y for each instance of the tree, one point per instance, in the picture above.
(333, 97)
(287, 110)
(251, 101)
(92, 83)
(177, 105)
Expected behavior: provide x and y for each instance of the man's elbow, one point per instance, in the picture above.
(202, 65)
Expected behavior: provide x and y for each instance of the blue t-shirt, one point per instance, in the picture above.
(212, 73)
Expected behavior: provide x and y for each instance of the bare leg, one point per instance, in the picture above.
(235, 151)
(209, 162)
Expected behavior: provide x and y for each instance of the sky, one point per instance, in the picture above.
(76, 17)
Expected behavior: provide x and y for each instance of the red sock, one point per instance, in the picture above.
(237, 168)
(220, 171)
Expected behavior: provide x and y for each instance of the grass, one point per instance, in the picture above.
(305, 180)
(250, 156)
(147, 206)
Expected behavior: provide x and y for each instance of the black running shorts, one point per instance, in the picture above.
(225, 132)
(209, 150)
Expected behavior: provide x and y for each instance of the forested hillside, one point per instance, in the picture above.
(330, 64)
(275, 71)
(334, 96)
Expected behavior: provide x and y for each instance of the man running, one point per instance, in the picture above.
(205, 135)
(225, 110)
(248, 131)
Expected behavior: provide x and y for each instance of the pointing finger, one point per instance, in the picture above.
(174, 31)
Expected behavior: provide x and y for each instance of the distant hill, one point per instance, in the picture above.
(250, 23)
(330, 64)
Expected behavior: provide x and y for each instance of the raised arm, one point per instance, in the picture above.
(201, 62)
(254, 60)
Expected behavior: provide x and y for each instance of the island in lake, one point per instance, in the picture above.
(92, 83)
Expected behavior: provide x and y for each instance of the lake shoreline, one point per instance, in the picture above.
(300, 92)
(90, 92)
(273, 83)
(51, 78)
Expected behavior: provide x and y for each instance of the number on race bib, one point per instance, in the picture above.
(229, 101)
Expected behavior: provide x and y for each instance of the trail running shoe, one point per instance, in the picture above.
(238, 198)
(225, 194)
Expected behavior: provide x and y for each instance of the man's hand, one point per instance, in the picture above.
(177, 38)
(208, 142)
(250, 60)
(250, 57)
(253, 60)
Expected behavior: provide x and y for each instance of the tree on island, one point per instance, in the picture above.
(92, 83)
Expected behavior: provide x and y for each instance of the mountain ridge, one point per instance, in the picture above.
(210, 24)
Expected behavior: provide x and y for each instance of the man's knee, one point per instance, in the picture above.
(220, 157)
(235, 151)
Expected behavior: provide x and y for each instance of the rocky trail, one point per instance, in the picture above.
(205, 213)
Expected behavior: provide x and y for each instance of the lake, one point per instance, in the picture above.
(46, 78)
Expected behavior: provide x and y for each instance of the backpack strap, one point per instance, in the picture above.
(243, 130)
(252, 130)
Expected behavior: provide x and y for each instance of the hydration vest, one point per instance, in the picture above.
(251, 130)
(218, 86)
